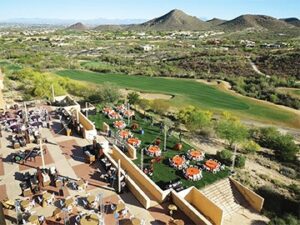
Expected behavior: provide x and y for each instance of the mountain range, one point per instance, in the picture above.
(254, 21)
(293, 21)
(177, 20)
(67, 22)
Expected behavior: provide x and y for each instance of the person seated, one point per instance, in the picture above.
(146, 170)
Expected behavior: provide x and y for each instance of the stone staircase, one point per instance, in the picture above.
(225, 195)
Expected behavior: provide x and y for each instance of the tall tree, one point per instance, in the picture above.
(231, 129)
(133, 98)
(194, 118)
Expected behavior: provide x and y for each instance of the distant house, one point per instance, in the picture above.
(270, 45)
(247, 43)
(147, 48)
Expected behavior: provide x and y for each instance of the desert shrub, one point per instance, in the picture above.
(160, 106)
(295, 189)
(225, 156)
(240, 161)
(289, 172)
(207, 132)
(285, 220)
(106, 93)
(195, 119)
(286, 149)
(250, 147)
(284, 204)
(284, 145)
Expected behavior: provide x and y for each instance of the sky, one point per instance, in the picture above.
(144, 9)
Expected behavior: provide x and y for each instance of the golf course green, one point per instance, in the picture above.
(191, 92)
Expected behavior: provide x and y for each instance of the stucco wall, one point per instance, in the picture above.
(138, 193)
(85, 122)
(189, 210)
(253, 199)
(105, 127)
(210, 210)
(131, 151)
(138, 176)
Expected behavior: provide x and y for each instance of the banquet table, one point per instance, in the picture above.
(124, 134)
(90, 199)
(154, 149)
(191, 171)
(177, 160)
(133, 141)
(211, 164)
(34, 219)
(196, 154)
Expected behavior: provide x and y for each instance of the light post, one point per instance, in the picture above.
(119, 176)
(128, 107)
(53, 94)
(42, 153)
(18, 212)
(233, 160)
(66, 216)
(86, 110)
(165, 137)
(142, 159)
(26, 115)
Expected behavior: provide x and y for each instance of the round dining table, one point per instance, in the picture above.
(119, 124)
(178, 160)
(133, 141)
(34, 219)
(92, 219)
(196, 154)
(211, 164)
(154, 149)
(25, 204)
(90, 199)
(192, 171)
(124, 134)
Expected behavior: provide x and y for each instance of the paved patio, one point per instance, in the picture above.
(65, 154)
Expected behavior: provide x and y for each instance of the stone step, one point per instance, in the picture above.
(225, 195)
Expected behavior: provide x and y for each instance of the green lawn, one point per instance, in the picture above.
(191, 92)
(162, 171)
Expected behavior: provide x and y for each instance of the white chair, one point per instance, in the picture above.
(70, 209)
(33, 203)
(85, 203)
(77, 219)
(61, 203)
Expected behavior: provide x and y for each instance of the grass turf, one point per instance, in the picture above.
(163, 173)
(191, 92)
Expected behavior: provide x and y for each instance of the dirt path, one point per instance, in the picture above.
(254, 67)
